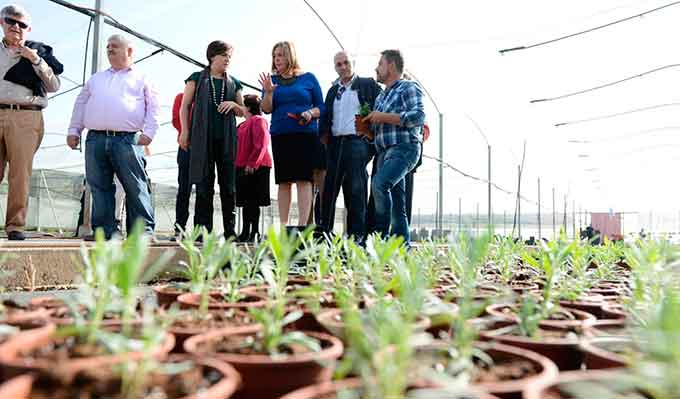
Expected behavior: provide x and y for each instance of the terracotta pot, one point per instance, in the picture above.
(609, 327)
(166, 295)
(17, 388)
(597, 356)
(520, 287)
(228, 382)
(551, 388)
(48, 302)
(583, 320)
(190, 300)
(182, 334)
(331, 321)
(14, 361)
(511, 388)
(26, 319)
(363, 128)
(593, 307)
(614, 312)
(564, 352)
(326, 390)
(270, 377)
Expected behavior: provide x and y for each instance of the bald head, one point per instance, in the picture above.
(343, 66)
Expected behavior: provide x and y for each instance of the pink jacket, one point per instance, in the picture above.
(253, 142)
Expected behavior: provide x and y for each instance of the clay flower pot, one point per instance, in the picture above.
(184, 331)
(167, 294)
(363, 128)
(504, 356)
(25, 319)
(14, 358)
(599, 352)
(551, 389)
(331, 320)
(17, 388)
(328, 390)
(216, 302)
(264, 376)
(564, 352)
(582, 320)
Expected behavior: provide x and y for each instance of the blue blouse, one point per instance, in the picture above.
(301, 95)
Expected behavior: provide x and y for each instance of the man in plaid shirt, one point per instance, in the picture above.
(397, 121)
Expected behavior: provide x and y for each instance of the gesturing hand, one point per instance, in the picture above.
(266, 82)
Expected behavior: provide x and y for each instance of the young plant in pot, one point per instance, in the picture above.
(363, 128)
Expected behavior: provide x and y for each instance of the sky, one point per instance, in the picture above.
(623, 163)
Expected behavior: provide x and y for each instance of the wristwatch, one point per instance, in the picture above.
(40, 60)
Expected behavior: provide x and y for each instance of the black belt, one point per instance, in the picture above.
(19, 107)
(112, 132)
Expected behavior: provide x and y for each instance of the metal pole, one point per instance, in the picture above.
(460, 215)
(564, 216)
(519, 202)
(573, 218)
(440, 195)
(553, 213)
(539, 209)
(96, 46)
(477, 222)
(490, 222)
(504, 226)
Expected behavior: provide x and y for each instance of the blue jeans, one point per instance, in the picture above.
(347, 159)
(388, 188)
(119, 155)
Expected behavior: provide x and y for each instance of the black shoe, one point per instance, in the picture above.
(16, 236)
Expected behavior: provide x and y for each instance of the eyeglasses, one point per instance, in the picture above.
(11, 22)
(341, 90)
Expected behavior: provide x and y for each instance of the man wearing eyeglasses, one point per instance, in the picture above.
(347, 152)
(28, 71)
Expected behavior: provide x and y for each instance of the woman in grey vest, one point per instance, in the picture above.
(215, 99)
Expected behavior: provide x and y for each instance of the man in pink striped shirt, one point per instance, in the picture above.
(120, 109)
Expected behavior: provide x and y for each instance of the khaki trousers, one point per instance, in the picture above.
(20, 135)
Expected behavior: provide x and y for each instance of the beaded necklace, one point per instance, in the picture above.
(214, 96)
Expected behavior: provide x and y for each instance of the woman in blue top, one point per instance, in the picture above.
(295, 101)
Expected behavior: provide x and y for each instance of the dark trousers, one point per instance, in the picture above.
(183, 190)
(347, 159)
(206, 190)
(251, 221)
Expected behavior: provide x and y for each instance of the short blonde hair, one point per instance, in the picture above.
(290, 54)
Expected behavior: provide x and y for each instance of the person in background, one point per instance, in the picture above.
(294, 99)
(183, 186)
(348, 152)
(216, 98)
(28, 71)
(120, 109)
(397, 121)
(253, 167)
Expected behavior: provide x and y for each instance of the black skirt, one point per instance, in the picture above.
(253, 189)
(296, 155)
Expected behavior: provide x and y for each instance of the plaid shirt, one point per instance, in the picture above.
(406, 99)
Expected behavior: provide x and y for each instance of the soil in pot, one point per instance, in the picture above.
(190, 323)
(560, 346)
(507, 376)
(266, 376)
(568, 383)
(216, 301)
(196, 378)
(354, 387)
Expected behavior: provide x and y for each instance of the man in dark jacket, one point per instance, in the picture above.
(348, 152)
(28, 71)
